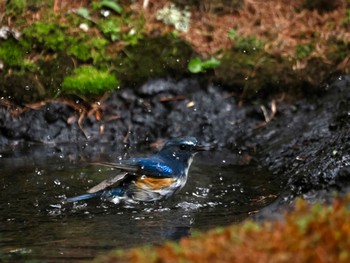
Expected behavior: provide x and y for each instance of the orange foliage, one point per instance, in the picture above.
(316, 233)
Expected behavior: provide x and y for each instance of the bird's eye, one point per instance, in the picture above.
(183, 147)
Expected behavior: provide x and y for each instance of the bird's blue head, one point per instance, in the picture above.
(181, 149)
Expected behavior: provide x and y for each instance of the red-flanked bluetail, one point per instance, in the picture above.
(148, 179)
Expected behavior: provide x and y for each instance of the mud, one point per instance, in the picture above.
(306, 142)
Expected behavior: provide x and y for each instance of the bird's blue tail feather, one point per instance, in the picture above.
(103, 194)
(82, 197)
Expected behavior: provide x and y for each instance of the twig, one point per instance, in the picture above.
(145, 4)
(268, 117)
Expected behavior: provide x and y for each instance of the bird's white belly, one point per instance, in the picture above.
(150, 194)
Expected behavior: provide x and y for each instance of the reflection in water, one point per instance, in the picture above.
(35, 225)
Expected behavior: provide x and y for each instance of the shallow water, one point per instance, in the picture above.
(35, 226)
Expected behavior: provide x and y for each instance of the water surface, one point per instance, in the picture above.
(36, 226)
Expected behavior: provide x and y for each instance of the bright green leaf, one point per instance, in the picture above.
(109, 4)
(211, 63)
(195, 65)
(83, 12)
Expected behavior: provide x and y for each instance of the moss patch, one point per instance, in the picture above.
(88, 80)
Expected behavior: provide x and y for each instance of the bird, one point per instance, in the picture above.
(148, 179)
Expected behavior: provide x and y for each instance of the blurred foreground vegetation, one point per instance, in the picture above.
(316, 233)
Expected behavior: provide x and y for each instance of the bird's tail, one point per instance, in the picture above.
(82, 197)
(102, 194)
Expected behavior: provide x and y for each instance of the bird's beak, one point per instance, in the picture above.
(202, 147)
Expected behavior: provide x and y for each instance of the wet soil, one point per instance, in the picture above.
(306, 142)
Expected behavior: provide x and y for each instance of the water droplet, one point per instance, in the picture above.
(132, 31)
(84, 27)
(36, 203)
(57, 182)
(21, 251)
(38, 172)
(105, 13)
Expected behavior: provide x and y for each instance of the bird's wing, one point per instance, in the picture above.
(155, 167)
(127, 165)
(152, 166)
(108, 182)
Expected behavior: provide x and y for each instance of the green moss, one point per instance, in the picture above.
(303, 50)
(114, 28)
(245, 43)
(346, 20)
(46, 36)
(15, 7)
(11, 53)
(254, 73)
(153, 57)
(111, 28)
(136, 32)
(88, 80)
(88, 49)
(119, 42)
(338, 50)
(29, 66)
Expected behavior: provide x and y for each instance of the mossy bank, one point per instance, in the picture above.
(46, 47)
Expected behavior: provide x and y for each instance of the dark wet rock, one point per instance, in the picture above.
(342, 177)
(306, 144)
(313, 151)
(170, 86)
